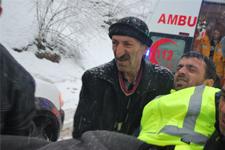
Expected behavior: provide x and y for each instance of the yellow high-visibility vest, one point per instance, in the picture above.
(184, 118)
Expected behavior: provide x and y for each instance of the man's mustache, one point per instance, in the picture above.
(182, 78)
(123, 57)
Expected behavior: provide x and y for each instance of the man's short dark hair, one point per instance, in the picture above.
(210, 70)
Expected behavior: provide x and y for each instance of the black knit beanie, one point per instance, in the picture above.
(133, 27)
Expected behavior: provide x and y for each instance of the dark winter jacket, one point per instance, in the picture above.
(97, 140)
(102, 140)
(12, 142)
(16, 96)
(103, 105)
(217, 140)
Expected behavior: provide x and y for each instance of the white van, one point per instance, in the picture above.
(49, 116)
(175, 24)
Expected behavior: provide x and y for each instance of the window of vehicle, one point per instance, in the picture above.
(210, 28)
(167, 49)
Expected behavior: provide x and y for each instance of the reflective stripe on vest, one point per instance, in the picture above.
(187, 133)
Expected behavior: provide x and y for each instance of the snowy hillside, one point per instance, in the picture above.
(88, 26)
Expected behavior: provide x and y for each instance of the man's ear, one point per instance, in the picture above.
(209, 82)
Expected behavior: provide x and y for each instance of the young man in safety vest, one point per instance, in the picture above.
(185, 118)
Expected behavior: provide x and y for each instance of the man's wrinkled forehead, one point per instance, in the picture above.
(191, 61)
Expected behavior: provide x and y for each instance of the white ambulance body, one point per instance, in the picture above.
(175, 16)
(173, 27)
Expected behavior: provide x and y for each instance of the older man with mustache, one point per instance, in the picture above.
(113, 95)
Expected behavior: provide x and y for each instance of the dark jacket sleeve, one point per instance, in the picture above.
(215, 142)
(11, 142)
(98, 140)
(86, 109)
(162, 80)
(16, 96)
(166, 81)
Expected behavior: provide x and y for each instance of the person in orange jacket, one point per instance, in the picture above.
(216, 53)
(212, 49)
(202, 40)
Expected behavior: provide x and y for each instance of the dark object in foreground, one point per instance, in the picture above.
(9, 142)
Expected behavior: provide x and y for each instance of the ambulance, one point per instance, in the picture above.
(175, 25)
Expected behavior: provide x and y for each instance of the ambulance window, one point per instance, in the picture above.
(210, 29)
(166, 51)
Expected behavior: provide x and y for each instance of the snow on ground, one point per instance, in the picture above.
(17, 23)
(18, 28)
(66, 76)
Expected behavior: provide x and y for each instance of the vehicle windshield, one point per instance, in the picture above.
(166, 51)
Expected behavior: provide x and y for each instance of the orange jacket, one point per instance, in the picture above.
(202, 44)
(219, 60)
